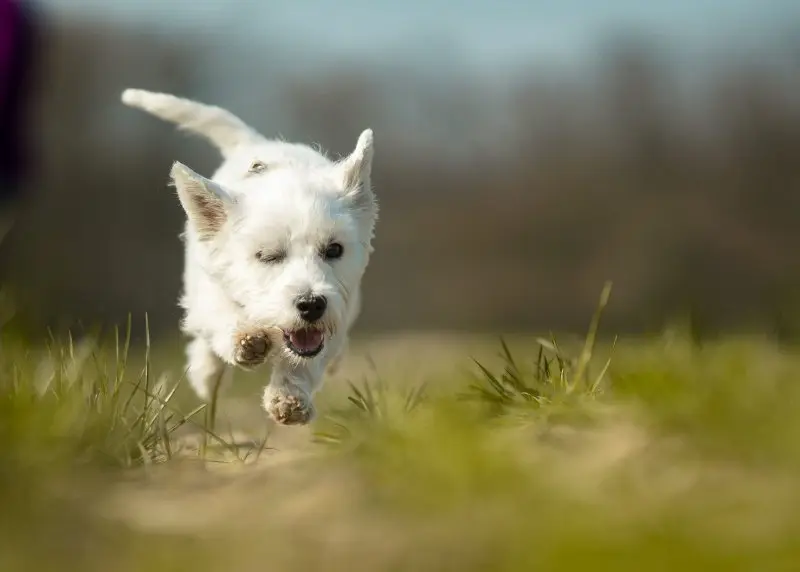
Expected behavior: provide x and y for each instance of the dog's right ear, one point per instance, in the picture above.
(356, 170)
(206, 203)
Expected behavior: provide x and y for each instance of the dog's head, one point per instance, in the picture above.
(289, 241)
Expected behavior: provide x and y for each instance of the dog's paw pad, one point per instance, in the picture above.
(252, 349)
(290, 409)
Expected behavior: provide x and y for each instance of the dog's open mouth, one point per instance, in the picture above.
(305, 342)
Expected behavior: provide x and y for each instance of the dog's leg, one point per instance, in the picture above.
(288, 397)
(207, 357)
(211, 316)
(206, 373)
(204, 369)
(207, 363)
(241, 346)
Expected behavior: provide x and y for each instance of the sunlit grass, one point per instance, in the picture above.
(628, 455)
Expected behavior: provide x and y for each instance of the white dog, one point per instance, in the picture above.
(277, 242)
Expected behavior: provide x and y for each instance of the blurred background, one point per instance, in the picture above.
(527, 151)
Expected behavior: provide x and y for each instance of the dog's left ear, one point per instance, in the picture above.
(356, 170)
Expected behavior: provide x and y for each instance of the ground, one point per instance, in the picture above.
(514, 455)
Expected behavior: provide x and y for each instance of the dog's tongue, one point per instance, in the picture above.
(306, 339)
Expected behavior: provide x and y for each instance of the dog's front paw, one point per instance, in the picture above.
(251, 349)
(289, 406)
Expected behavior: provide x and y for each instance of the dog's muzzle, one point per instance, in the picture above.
(305, 342)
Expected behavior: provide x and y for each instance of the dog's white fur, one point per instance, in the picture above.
(254, 241)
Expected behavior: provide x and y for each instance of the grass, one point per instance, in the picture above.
(633, 454)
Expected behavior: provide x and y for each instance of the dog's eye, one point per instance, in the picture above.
(333, 251)
(257, 167)
(269, 257)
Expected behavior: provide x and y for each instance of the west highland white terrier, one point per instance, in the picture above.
(276, 244)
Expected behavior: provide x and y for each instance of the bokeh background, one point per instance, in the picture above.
(526, 151)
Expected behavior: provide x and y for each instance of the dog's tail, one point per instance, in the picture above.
(222, 128)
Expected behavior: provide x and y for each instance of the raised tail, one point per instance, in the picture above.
(222, 128)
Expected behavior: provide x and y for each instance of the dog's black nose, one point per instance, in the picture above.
(311, 307)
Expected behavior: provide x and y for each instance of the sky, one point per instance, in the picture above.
(482, 32)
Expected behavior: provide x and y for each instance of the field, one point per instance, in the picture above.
(436, 452)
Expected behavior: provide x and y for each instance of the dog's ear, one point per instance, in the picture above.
(206, 203)
(356, 170)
